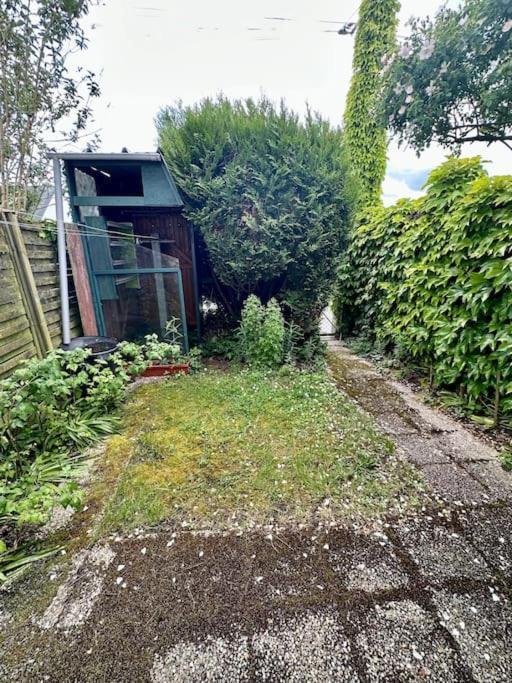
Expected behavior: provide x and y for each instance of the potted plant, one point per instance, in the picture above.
(165, 356)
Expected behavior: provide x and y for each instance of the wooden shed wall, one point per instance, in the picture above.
(174, 227)
(16, 337)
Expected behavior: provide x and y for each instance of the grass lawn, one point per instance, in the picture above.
(219, 447)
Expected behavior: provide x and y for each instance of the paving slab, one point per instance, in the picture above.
(494, 477)
(213, 660)
(480, 622)
(424, 450)
(441, 553)
(397, 425)
(462, 446)
(401, 642)
(367, 563)
(455, 484)
(310, 647)
(433, 421)
(490, 530)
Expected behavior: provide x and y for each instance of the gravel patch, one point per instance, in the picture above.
(491, 532)
(311, 647)
(492, 475)
(441, 553)
(368, 563)
(481, 624)
(455, 484)
(215, 660)
(422, 450)
(401, 642)
(77, 596)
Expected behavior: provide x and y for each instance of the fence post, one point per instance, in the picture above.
(27, 284)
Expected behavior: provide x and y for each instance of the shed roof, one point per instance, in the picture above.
(102, 156)
(158, 183)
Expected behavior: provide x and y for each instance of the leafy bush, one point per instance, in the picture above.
(506, 460)
(433, 278)
(50, 411)
(269, 196)
(262, 333)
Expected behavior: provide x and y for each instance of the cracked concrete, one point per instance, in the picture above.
(458, 466)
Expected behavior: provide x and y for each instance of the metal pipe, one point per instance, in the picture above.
(61, 250)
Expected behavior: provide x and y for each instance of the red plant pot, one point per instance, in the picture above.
(163, 370)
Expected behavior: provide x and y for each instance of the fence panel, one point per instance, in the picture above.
(26, 287)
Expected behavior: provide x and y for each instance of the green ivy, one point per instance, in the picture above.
(364, 132)
(433, 278)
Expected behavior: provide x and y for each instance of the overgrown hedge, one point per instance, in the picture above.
(269, 195)
(432, 278)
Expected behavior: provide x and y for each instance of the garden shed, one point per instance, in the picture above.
(131, 249)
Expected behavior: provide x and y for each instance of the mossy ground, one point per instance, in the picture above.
(250, 446)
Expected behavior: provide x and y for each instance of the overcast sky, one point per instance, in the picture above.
(149, 53)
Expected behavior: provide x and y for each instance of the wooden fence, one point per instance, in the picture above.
(30, 323)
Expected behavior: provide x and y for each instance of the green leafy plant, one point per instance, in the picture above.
(506, 460)
(13, 562)
(224, 345)
(262, 333)
(40, 92)
(433, 278)
(159, 351)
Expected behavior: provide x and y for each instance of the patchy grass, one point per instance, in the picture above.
(249, 446)
(506, 460)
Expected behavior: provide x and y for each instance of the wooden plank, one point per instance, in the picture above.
(10, 312)
(16, 326)
(28, 288)
(15, 344)
(82, 284)
(10, 365)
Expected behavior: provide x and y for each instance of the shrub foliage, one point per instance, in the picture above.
(450, 80)
(269, 197)
(433, 278)
(262, 333)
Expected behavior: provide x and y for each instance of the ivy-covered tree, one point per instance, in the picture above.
(450, 81)
(269, 196)
(364, 132)
(37, 91)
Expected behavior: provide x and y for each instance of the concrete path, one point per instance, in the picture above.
(459, 466)
(421, 598)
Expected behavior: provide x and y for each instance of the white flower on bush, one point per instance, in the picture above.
(402, 110)
(444, 68)
(506, 26)
(408, 99)
(426, 50)
(405, 51)
(409, 89)
(398, 89)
